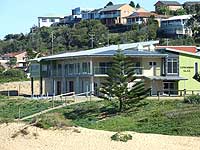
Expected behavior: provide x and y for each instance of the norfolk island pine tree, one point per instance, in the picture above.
(117, 85)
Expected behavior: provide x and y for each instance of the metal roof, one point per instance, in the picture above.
(98, 51)
(132, 52)
(178, 17)
(112, 7)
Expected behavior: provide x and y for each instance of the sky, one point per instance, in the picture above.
(18, 16)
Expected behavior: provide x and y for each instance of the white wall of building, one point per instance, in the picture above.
(47, 21)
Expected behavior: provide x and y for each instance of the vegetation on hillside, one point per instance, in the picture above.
(170, 117)
(84, 35)
(12, 75)
(10, 108)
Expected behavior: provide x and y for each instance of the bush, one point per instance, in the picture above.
(14, 73)
(124, 137)
(192, 99)
(52, 120)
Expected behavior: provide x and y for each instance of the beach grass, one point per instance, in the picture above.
(13, 108)
(170, 117)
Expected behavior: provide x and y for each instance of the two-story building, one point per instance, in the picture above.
(21, 59)
(140, 17)
(175, 26)
(171, 5)
(182, 61)
(93, 14)
(47, 21)
(115, 14)
(166, 69)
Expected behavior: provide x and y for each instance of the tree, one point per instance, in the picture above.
(138, 5)
(163, 10)
(179, 12)
(12, 62)
(109, 4)
(121, 84)
(194, 23)
(132, 4)
(191, 9)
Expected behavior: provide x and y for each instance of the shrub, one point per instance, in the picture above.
(14, 73)
(192, 99)
(124, 137)
(52, 120)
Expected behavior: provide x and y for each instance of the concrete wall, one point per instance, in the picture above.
(24, 88)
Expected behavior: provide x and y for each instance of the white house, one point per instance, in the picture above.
(47, 21)
(175, 26)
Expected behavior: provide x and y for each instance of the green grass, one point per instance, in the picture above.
(170, 117)
(4, 79)
(9, 108)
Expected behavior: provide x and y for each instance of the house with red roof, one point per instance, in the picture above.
(21, 58)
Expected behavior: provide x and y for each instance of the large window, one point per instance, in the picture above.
(170, 88)
(71, 69)
(52, 20)
(44, 20)
(85, 67)
(172, 66)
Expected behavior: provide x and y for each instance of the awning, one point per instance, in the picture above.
(172, 78)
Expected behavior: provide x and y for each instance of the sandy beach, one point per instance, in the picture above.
(85, 139)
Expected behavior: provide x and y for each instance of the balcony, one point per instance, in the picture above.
(57, 73)
(103, 16)
(101, 70)
(105, 70)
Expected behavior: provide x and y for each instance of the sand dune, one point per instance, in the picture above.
(86, 139)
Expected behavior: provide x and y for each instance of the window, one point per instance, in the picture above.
(170, 88)
(86, 67)
(59, 69)
(172, 65)
(196, 68)
(44, 67)
(44, 20)
(77, 66)
(66, 69)
(152, 64)
(52, 20)
(71, 68)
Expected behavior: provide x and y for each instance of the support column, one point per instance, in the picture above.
(41, 87)
(92, 77)
(77, 88)
(32, 87)
(54, 88)
(92, 84)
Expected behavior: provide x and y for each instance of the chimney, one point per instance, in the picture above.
(151, 47)
(140, 47)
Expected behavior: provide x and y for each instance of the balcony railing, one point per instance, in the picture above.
(101, 70)
(96, 71)
(109, 16)
(105, 70)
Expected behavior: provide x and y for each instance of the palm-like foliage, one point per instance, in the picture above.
(121, 83)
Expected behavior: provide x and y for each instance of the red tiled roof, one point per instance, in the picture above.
(142, 14)
(12, 54)
(190, 49)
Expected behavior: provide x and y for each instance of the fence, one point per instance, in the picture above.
(176, 93)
